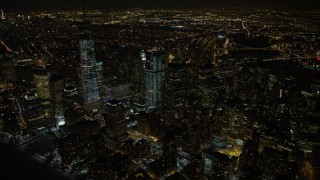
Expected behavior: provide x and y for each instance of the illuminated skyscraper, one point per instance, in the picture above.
(154, 77)
(2, 15)
(35, 113)
(49, 88)
(143, 58)
(43, 116)
(56, 87)
(72, 104)
(41, 79)
(89, 74)
(99, 70)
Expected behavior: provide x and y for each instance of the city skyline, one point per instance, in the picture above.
(188, 94)
(20, 5)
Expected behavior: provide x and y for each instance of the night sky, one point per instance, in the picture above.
(14, 5)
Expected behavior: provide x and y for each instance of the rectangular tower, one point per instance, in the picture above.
(89, 73)
(154, 77)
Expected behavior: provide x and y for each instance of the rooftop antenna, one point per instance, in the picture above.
(86, 30)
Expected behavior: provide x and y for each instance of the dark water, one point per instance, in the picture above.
(16, 164)
(251, 41)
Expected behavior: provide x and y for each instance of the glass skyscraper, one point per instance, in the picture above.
(154, 77)
(56, 83)
(89, 74)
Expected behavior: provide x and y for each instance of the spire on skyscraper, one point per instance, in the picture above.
(2, 15)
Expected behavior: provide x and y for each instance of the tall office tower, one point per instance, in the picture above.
(175, 87)
(154, 77)
(43, 91)
(89, 73)
(99, 70)
(256, 133)
(114, 117)
(56, 87)
(41, 79)
(125, 65)
(36, 112)
(72, 104)
(137, 76)
(24, 70)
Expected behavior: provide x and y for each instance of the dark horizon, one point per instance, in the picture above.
(35, 5)
(27, 165)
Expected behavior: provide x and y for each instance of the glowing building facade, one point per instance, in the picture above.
(3, 17)
(56, 88)
(89, 73)
(41, 79)
(154, 77)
